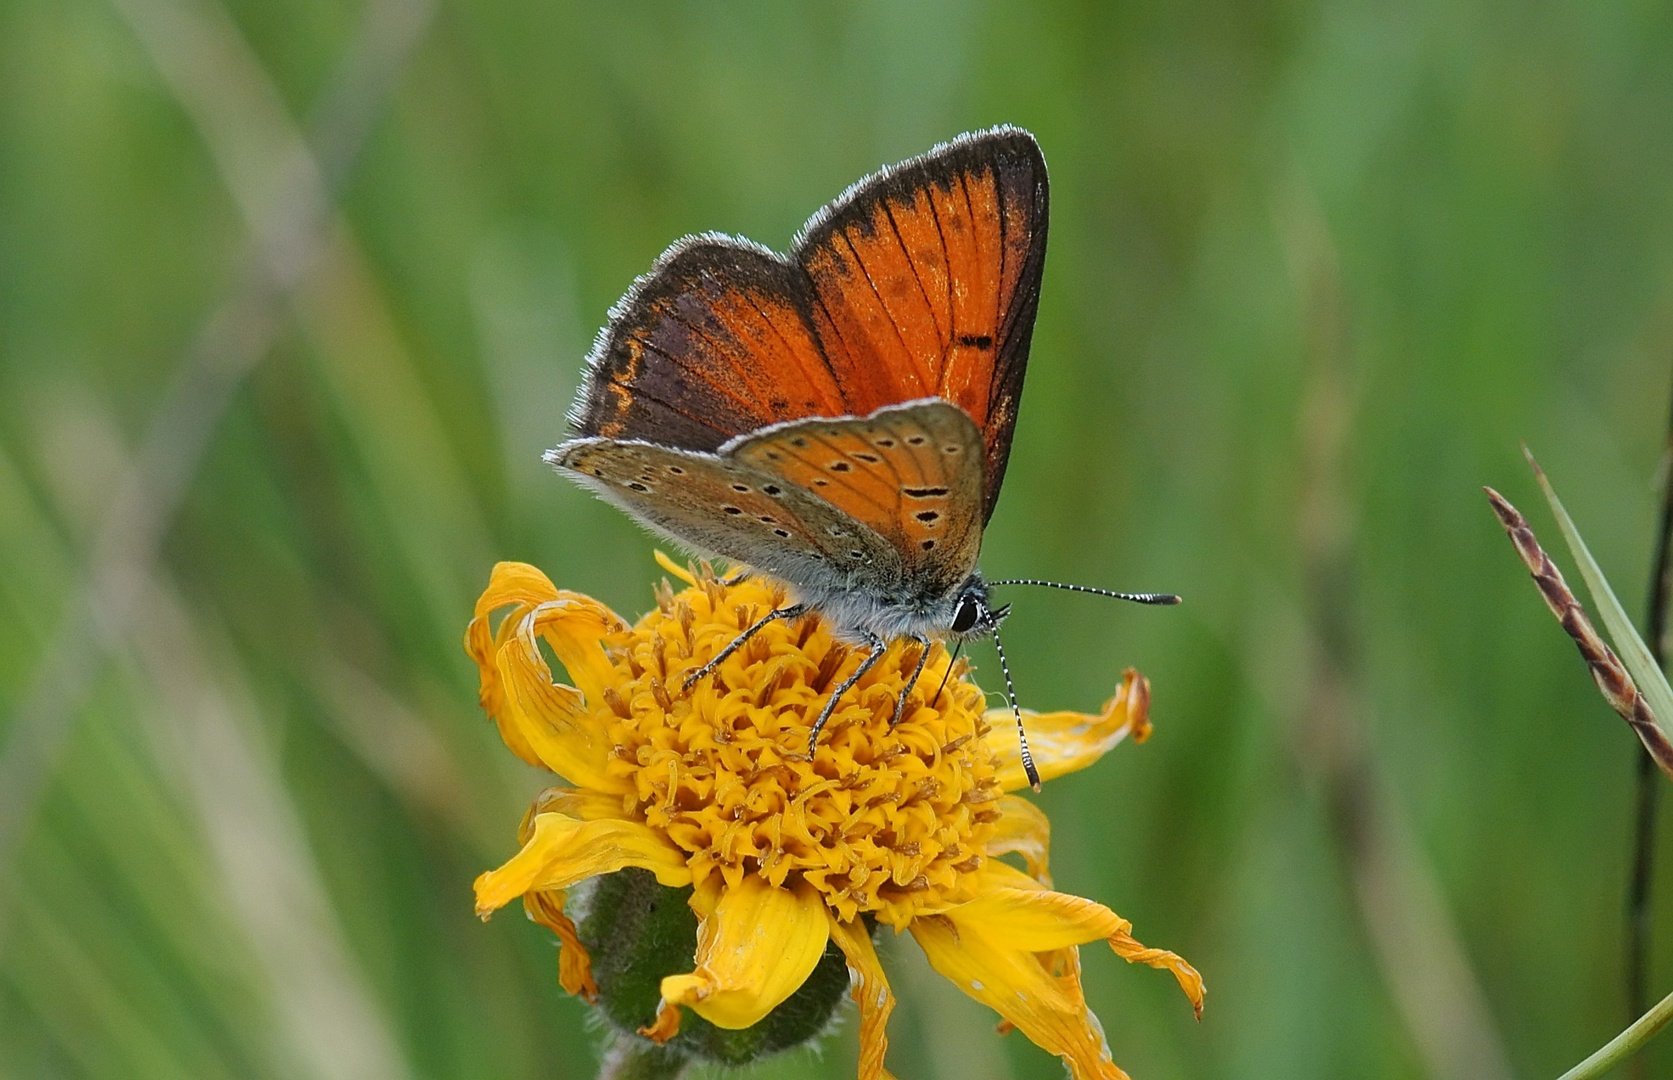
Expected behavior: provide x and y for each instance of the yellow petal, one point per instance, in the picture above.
(997, 875)
(510, 583)
(551, 720)
(575, 964)
(1132, 951)
(673, 567)
(543, 722)
(554, 720)
(574, 626)
(572, 802)
(1064, 742)
(871, 994)
(514, 583)
(1016, 985)
(1023, 829)
(563, 850)
(665, 1026)
(1038, 921)
(756, 949)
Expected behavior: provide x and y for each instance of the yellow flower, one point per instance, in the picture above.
(786, 851)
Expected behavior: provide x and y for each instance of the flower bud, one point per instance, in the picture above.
(638, 932)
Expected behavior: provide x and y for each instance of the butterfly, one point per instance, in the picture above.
(838, 418)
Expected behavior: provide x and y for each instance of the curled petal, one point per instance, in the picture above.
(575, 626)
(575, 964)
(1133, 952)
(1040, 921)
(871, 993)
(510, 583)
(571, 802)
(513, 583)
(1023, 829)
(1045, 1007)
(550, 719)
(562, 850)
(665, 1026)
(545, 723)
(756, 948)
(1065, 742)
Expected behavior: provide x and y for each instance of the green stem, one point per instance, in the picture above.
(1625, 1044)
(634, 1058)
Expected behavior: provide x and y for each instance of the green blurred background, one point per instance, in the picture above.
(1315, 268)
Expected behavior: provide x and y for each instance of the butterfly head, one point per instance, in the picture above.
(973, 614)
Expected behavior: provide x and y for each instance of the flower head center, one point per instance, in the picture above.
(885, 820)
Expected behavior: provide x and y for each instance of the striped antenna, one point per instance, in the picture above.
(1022, 736)
(1161, 598)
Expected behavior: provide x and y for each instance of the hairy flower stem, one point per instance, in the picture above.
(633, 1058)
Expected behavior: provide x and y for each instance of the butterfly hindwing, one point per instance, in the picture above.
(722, 506)
(922, 280)
(910, 473)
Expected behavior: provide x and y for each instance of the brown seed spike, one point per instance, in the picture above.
(1608, 672)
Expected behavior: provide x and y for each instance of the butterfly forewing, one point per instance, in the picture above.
(926, 278)
(910, 473)
(713, 342)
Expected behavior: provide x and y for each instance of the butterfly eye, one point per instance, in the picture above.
(966, 614)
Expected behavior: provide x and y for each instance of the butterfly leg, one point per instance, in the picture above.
(878, 648)
(906, 691)
(791, 612)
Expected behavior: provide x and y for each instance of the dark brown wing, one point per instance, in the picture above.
(921, 280)
(713, 342)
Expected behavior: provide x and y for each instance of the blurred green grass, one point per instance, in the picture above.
(1315, 269)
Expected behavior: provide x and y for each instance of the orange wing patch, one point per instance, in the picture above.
(925, 282)
(911, 473)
